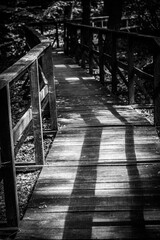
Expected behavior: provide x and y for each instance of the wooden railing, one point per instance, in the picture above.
(38, 66)
(51, 29)
(55, 29)
(101, 48)
(126, 22)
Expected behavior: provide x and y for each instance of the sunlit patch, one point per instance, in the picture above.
(88, 78)
(74, 66)
(57, 52)
(60, 66)
(72, 79)
(108, 119)
(60, 52)
(56, 81)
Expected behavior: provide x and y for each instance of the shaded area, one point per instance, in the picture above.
(71, 223)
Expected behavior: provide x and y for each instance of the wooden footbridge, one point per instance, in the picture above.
(101, 178)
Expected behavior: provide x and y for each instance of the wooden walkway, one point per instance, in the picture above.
(103, 175)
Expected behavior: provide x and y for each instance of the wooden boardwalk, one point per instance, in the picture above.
(102, 179)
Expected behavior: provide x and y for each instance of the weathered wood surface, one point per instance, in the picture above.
(103, 175)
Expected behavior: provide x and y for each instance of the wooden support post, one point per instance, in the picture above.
(36, 114)
(157, 90)
(84, 41)
(73, 41)
(131, 79)
(114, 63)
(47, 66)
(101, 58)
(7, 159)
(86, 10)
(66, 39)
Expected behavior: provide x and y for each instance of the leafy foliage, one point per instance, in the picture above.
(13, 45)
(147, 14)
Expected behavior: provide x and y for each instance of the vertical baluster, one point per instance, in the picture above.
(73, 41)
(66, 43)
(131, 78)
(83, 42)
(65, 37)
(36, 114)
(7, 159)
(68, 39)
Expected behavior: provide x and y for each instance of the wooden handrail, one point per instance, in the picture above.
(17, 70)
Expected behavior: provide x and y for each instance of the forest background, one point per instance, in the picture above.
(14, 13)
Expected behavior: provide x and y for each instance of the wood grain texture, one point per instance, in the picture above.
(103, 175)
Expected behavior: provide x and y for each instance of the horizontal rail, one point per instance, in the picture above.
(119, 34)
(17, 70)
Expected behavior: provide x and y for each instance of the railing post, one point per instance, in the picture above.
(73, 41)
(47, 65)
(7, 159)
(83, 42)
(65, 36)
(157, 90)
(101, 58)
(131, 78)
(114, 62)
(36, 114)
(66, 39)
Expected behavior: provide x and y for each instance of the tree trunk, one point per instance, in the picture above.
(68, 12)
(113, 9)
(86, 8)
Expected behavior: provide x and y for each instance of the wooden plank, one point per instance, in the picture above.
(125, 232)
(104, 173)
(113, 232)
(124, 188)
(77, 219)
